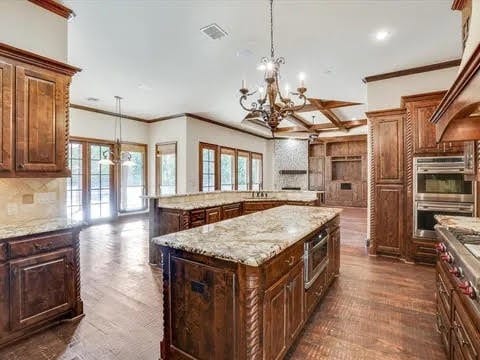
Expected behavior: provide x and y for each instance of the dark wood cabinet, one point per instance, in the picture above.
(41, 287)
(458, 317)
(213, 215)
(41, 136)
(387, 203)
(217, 309)
(389, 217)
(296, 302)
(39, 282)
(35, 99)
(420, 109)
(387, 140)
(275, 316)
(6, 116)
(231, 211)
(202, 295)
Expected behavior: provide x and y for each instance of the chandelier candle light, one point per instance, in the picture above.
(273, 106)
(111, 157)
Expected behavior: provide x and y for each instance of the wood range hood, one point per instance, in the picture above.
(457, 117)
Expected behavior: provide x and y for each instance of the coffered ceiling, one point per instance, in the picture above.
(152, 52)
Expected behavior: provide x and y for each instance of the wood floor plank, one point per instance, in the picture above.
(377, 309)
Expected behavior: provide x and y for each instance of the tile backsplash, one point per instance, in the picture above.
(22, 200)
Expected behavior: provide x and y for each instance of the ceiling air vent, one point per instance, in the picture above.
(213, 31)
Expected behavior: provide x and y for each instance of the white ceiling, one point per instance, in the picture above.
(153, 54)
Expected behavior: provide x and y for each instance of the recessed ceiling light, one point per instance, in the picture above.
(382, 35)
(92, 99)
(144, 87)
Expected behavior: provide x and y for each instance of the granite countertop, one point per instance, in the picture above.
(251, 239)
(219, 198)
(469, 224)
(36, 227)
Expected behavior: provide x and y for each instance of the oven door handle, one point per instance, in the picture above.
(320, 244)
(315, 276)
(446, 209)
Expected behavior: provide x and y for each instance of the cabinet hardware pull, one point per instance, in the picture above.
(21, 166)
(41, 247)
(291, 261)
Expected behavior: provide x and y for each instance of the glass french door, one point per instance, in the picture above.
(100, 182)
(75, 183)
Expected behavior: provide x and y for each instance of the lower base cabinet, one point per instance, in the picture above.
(216, 309)
(457, 317)
(39, 283)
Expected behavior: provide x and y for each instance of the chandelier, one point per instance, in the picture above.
(118, 156)
(272, 105)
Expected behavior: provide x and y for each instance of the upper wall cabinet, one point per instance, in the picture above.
(387, 138)
(35, 102)
(6, 116)
(419, 111)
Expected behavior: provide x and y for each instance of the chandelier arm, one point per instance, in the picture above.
(254, 107)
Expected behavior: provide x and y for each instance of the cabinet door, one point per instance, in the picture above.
(6, 118)
(389, 218)
(41, 136)
(213, 215)
(202, 311)
(423, 130)
(275, 320)
(388, 149)
(296, 301)
(232, 211)
(41, 287)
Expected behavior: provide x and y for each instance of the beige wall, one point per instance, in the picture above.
(386, 94)
(172, 130)
(30, 27)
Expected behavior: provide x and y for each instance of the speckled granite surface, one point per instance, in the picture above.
(469, 224)
(36, 227)
(251, 239)
(218, 198)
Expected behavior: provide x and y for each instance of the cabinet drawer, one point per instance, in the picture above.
(283, 263)
(443, 324)
(197, 215)
(3, 252)
(316, 291)
(197, 223)
(444, 288)
(36, 245)
(465, 330)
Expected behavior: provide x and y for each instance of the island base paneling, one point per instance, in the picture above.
(218, 309)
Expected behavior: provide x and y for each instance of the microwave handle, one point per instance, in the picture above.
(321, 243)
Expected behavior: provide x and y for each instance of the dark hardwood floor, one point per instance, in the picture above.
(377, 309)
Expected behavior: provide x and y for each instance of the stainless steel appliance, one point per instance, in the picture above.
(424, 212)
(315, 257)
(441, 185)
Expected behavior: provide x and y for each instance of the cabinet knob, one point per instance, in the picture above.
(21, 166)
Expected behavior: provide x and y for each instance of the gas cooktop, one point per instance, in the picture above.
(469, 239)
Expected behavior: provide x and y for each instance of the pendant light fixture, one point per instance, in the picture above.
(117, 157)
(273, 103)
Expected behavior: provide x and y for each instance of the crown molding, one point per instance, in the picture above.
(55, 7)
(411, 71)
(104, 112)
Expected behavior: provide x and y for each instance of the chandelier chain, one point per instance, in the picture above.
(272, 49)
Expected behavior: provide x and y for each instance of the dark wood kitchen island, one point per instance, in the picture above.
(243, 288)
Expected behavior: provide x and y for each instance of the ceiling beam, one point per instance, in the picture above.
(300, 121)
(329, 114)
(321, 127)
